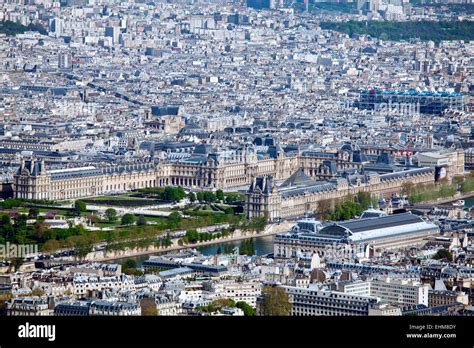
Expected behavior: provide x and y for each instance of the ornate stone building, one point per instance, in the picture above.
(300, 194)
(207, 169)
(34, 181)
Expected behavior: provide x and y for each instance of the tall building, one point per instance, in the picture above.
(114, 33)
(64, 60)
(56, 26)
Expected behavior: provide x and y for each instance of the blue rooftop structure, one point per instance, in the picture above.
(412, 100)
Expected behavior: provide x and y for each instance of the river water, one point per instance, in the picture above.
(263, 245)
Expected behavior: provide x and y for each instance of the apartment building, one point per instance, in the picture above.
(447, 297)
(405, 292)
(237, 291)
(31, 305)
(82, 285)
(313, 301)
(97, 307)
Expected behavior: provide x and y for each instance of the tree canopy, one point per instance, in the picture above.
(111, 214)
(80, 206)
(248, 310)
(275, 302)
(443, 254)
(11, 28)
(128, 219)
(148, 306)
(392, 30)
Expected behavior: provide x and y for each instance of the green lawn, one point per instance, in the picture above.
(103, 224)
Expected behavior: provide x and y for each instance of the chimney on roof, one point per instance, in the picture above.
(32, 166)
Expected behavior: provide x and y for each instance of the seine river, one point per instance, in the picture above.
(263, 245)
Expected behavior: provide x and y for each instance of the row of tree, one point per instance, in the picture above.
(347, 208)
(193, 236)
(169, 193)
(219, 195)
(175, 194)
(254, 224)
(468, 183)
(12, 28)
(429, 192)
(10, 203)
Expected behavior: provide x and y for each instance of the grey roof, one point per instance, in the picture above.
(33, 166)
(367, 229)
(194, 160)
(160, 262)
(377, 228)
(37, 153)
(175, 271)
(350, 147)
(316, 187)
(106, 305)
(83, 172)
(128, 168)
(382, 222)
(299, 178)
(406, 173)
(75, 174)
(264, 184)
(320, 154)
(359, 157)
(203, 149)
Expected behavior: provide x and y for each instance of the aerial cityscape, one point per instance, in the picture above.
(236, 158)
